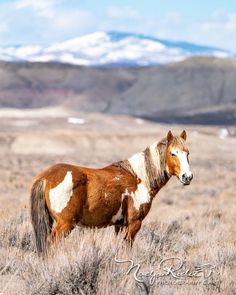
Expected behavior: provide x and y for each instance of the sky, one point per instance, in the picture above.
(43, 22)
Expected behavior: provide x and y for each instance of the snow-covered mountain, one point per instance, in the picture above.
(111, 48)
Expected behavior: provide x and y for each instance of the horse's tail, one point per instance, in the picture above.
(40, 217)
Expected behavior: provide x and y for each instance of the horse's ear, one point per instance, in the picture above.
(169, 136)
(183, 135)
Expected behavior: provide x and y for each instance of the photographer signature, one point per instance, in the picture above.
(172, 267)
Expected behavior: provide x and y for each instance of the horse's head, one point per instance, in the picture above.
(177, 162)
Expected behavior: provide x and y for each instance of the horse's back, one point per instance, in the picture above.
(58, 171)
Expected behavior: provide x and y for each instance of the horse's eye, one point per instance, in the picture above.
(173, 155)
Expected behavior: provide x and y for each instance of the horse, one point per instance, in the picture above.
(118, 195)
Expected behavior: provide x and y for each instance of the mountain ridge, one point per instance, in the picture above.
(166, 93)
(111, 49)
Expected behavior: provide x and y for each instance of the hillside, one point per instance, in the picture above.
(195, 87)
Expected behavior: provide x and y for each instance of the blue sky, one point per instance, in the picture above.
(210, 22)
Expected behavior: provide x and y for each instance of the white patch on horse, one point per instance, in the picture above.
(118, 216)
(116, 178)
(140, 196)
(155, 156)
(61, 194)
(137, 163)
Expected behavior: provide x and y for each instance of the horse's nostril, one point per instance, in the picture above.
(184, 177)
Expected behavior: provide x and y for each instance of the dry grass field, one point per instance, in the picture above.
(187, 244)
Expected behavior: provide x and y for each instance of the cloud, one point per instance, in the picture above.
(49, 21)
(3, 27)
(172, 17)
(169, 26)
(69, 24)
(72, 19)
(43, 8)
(43, 22)
(219, 30)
(220, 21)
(122, 12)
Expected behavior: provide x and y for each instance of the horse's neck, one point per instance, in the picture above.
(137, 162)
(149, 166)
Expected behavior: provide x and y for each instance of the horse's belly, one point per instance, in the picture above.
(97, 217)
(106, 212)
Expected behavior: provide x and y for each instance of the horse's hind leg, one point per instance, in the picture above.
(70, 215)
(62, 229)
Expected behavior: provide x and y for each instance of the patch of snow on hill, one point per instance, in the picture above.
(111, 48)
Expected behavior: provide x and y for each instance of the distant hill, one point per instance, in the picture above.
(111, 49)
(197, 90)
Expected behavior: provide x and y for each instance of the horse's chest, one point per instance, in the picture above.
(134, 201)
(138, 193)
(140, 196)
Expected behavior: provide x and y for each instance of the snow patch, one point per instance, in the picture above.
(139, 121)
(223, 133)
(102, 48)
(74, 120)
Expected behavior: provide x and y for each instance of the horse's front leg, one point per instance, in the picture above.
(135, 217)
(133, 227)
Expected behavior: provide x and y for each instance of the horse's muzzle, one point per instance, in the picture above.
(186, 179)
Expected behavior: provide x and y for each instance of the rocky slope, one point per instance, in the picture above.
(198, 86)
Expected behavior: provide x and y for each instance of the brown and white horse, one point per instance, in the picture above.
(120, 194)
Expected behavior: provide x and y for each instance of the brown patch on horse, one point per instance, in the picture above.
(125, 165)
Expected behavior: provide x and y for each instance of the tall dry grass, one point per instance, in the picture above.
(84, 262)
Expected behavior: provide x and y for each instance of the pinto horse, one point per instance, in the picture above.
(120, 194)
